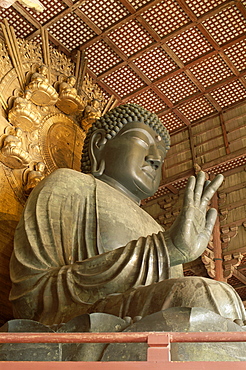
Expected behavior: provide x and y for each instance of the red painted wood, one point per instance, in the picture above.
(159, 347)
(141, 365)
(120, 337)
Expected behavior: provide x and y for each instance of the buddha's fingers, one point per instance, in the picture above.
(198, 191)
(210, 221)
(210, 190)
(189, 191)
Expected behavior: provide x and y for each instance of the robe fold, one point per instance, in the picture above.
(83, 246)
(60, 266)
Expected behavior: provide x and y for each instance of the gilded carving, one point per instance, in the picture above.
(13, 153)
(24, 113)
(92, 112)
(31, 177)
(30, 51)
(61, 142)
(61, 63)
(42, 105)
(43, 93)
(5, 63)
(69, 101)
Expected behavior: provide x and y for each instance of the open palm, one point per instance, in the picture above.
(189, 235)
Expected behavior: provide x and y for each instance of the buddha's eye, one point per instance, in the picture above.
(141, 141)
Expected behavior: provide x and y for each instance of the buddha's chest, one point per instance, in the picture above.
(120, 220)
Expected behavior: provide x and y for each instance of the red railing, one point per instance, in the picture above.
(158, 355)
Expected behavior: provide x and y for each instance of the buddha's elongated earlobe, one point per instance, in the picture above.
(97, 143)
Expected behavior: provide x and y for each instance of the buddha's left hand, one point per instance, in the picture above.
(189, 235)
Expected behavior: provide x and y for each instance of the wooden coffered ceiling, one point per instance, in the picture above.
(183, 59)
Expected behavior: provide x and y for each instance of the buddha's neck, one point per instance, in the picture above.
(116, 185)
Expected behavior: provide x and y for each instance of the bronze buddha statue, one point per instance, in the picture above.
(84, 245)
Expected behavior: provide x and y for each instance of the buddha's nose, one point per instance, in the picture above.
(153, 161)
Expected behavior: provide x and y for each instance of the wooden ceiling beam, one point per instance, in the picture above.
(234, 205)
(120, 23)
(192, 146)
(241, 7)
(162, 96)
(103, 85)
(212, 164)
(213, 102)
(239, 276)
(88, 21)
(114, 48)
(187, 10)
(128, 6)
(181, 68)
(243, 81)
(195, 95)
(20, 9)
(38, 25)
(166, 38)
(182, 117)
(53, 20)
(225, 137)
(152, 32)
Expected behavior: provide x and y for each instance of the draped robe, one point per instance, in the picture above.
(83, 246)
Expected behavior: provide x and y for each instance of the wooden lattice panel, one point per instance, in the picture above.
(104, 13)
(160, 17)
(139, 3)
(237, 53)
(155, 63)
(211, 70)
(196, 108)
(171, 121)
(242, 292)
(229, 94)
(101, 57)
(228, 165)
(149, 100)
(131, 37)
(51, 9)
(189, 44)
(226, 25)
(180, 184)
(78, 31)
(22, 26)
(123, 81)
(234, 281)
(178, 87)
(159, 193)
(201, 7)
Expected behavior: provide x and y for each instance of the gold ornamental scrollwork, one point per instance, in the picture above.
(61, 143)
(43, 93)
(46, 110)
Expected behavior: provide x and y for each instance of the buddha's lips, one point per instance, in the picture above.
(149, 172)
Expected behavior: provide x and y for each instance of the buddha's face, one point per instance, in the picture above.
(134, 158)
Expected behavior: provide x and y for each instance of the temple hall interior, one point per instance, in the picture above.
(181, 59)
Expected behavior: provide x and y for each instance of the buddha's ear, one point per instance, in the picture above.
(97, 143)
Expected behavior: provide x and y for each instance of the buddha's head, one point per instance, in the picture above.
(126, 149)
